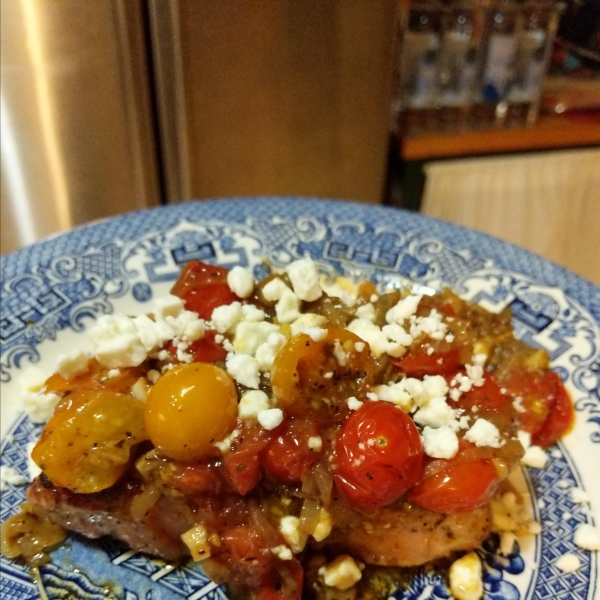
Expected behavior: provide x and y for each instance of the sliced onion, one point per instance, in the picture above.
(310, 515)
(142, 503)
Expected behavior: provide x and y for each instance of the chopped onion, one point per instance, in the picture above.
(142, 503)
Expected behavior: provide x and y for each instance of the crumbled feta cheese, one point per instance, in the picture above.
(323, 527)
(437, 413)
(10, 476)
(563, 484)
(354, 403)
(282, 552)
(32, 379)
(304, 275)
(40, 407)
(225, 318)
(139, 389)
(475, 374)
(307, 321)
(568, 563)
(535, 457)
(249, 335)
(315, 443)
(316, 334)
(359, 346)
(396, 333)
(466, 582)
(244, 369)
(251, 403)
(225, 444)
(168, 306)
(32, 467)
(440, 443)
(287, 308)
(556, 453)
(271, 418)
(153, 376)
(240, 282)
(525, 438)
(341, 573)
(430, 325)
(340, 354)
(579, 496)
(72, 364)
(343, 288)
(392, 339)
(587, 537)
(435, 386)
(483, 433)
(289, 526)
(274, 290)
(404, 309)
(396, 394)
(366, 311)
(252, 313)
(116, 342)
(566, 516)
(517, 404)
(266, 352)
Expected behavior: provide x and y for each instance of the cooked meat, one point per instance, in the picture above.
(108, 513)
(412, 536)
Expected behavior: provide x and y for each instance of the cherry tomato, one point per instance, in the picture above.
(488, 397)
(298, 370)
(548, 410)
(204, 300)
(204, 350)
(289, 455)
(188, 409)
(203, 287)
(196, 479)
(420, 364)
(378, 456)
(242, 463)
(459, 487)
(86, 445)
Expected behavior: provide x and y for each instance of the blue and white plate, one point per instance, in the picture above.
(54, 290)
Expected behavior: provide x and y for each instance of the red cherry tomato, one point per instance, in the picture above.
(421, 364)
(488, 397)
(242, 464)
(459, 487)
(548, 410)
(203, 287)
(378, 456)
(288, 455)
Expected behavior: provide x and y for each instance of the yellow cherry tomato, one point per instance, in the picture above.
(308, 374)
(86, 445)
(189, 408)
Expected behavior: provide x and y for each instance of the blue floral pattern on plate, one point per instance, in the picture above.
(61, 285)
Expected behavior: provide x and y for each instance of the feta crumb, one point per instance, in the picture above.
(307, 321)
(240, 282)
(10, 476)
(139, 389)
(225, 444)
(535, 457)
(153, 376)
(359, 346)
(72, 364)
(366, 311)
(168, 306)
(556, 453)
(340, 354)
(266, 352)
(274, 290)
(568, 563)
(270, 418)
(32, 467)
(304, 275)
(517, 404)
(437, 413)
(32, 379)
(563, 484)
(587, 537)
(466, 582)
(244, 369)
(315, 443)
(440, 443)
(579, 496)
(40, 407)
(225, 318)
(287, 308)
(475, 374)
(484, 433)
(566, 516)
(316, 334)
(354, 403)
(289, 526)
(404, 309)
(249, 335)
(252, 403)
(341, 573)
(525, 438)
(282, 552)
